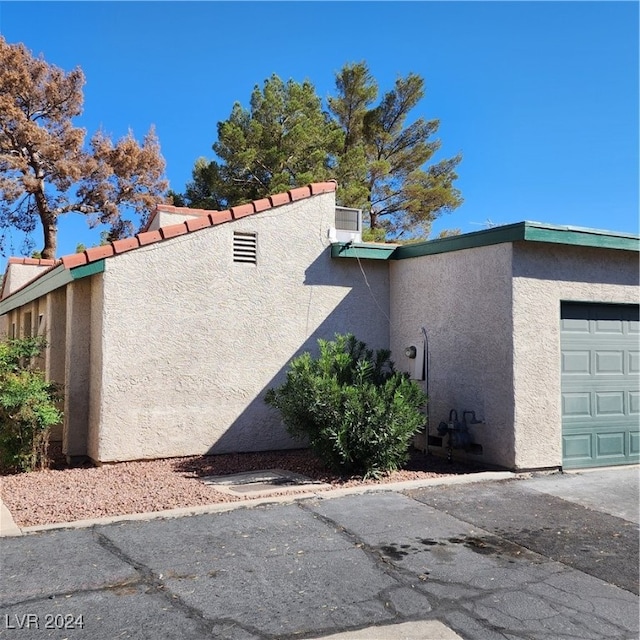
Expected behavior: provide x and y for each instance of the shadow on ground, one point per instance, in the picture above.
(304, 462)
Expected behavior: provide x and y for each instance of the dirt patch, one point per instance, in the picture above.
(60, 494)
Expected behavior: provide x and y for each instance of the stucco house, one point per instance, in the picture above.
(167, 341)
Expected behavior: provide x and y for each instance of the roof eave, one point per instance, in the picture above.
(362, 250)
(581, 236)
(522, 232)
(57, 277)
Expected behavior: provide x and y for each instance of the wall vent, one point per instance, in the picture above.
(347, 225)
(245, 247)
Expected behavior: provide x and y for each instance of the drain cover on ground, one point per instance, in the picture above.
(263, 482)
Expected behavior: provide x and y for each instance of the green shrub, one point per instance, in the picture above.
(356, 412)
(27, 406)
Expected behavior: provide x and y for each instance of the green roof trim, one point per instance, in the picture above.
(583, 237)
(47, 282)
(518, 232)
(497, 235)
(362, 250)
(86, 270)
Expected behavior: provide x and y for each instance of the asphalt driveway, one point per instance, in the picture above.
(544, 557)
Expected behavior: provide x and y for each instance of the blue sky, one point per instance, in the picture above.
(541, 98)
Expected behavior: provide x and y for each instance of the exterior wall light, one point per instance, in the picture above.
(410, 352)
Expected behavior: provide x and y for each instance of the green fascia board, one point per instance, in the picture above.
(47, 282)
(497, 235)
(362, 250)
(85, 270)
(518, 232)
(582, 237)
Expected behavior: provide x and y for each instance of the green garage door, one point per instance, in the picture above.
(600, 385)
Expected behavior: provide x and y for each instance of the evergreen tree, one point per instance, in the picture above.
(282, 141)
(380, 162)
(45, 169)
(381, 167)
(357, 90)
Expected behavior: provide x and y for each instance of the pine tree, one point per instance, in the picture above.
(382, 166)
(45, 169)
(282, 141)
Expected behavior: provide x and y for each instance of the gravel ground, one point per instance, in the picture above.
(61, 494)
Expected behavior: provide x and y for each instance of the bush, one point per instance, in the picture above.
(27, 406)
(357, 413)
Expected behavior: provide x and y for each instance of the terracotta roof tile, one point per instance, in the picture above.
(242, 210)
(218, 217)
(278, 199)
(40, 262)
(126, 244)
(198, 223)
(323, 187)
(149, 237)
(74, 260)
(300, 193)
(261, 205)
(173, 230)
(97, 253)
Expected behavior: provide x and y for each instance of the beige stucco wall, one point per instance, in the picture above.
(18, 275)
(65, 318)
(95, 382)
(544, 276)
(55, 333)
(191, 340)
(18, 322)
(9, 325)
(493, 320)
(463, 299)
(77, 366)
(165, 218)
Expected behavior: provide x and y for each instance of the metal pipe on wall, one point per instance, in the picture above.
(426, 379)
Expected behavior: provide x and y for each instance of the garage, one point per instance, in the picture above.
(600, 369)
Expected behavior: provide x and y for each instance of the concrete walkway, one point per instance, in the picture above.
(599, 489)
(8, 527)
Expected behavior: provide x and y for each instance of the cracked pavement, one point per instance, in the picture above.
(495, 560)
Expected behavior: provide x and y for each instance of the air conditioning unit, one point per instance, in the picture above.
(348, 225)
